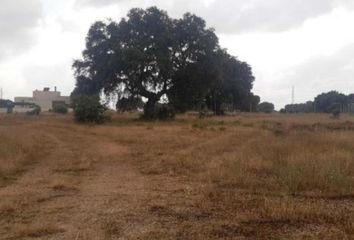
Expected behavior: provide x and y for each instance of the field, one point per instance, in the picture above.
(248, 176)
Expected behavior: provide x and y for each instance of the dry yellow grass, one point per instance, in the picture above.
(19, 149)
(248, 176)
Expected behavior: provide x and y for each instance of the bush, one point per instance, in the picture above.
(61, 108)
(35, 111)
(89, 109)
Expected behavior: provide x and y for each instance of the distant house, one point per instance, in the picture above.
(46, 99)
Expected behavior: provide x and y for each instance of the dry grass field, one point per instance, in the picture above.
(249, 176)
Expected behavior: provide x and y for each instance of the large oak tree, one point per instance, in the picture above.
(146, 53)
(150, 55)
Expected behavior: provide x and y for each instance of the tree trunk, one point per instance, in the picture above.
(149, 109)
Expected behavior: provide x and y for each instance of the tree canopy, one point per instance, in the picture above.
(307, 107)
(328, 102)
(266, 107)
(131, 103)
(232, 89)
(150, 55)
(324, 103)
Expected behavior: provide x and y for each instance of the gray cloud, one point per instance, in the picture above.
(270, 15)
(18, 20)
(97, 3)
(39, 76)
(68, 25)
(235, 16)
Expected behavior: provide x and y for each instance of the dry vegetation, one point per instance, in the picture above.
(239, 177)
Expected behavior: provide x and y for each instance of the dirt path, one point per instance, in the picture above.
(88, 191)
(183, 180)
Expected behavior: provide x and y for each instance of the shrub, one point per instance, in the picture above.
(36, 110)
(61, 108)
(89, 109)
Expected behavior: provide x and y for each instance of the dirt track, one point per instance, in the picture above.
(86, 188)
(179, 180)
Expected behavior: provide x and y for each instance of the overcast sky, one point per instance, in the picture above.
(308, 44)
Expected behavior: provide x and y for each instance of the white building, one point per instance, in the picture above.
(46, 99)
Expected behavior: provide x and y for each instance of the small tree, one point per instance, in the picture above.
(89, 109)
(266, 107)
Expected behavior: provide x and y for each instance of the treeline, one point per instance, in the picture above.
(330, 102)
(173, 64)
